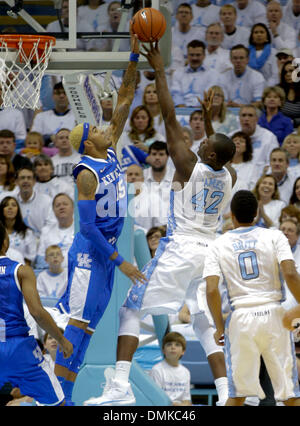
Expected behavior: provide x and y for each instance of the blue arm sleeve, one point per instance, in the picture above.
(87, 215)
(140, 155)
(133, 155)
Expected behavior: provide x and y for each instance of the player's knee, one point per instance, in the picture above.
(129, 322)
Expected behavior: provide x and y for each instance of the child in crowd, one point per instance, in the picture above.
(153, 237)
(34, 146)
(34, 143)
(50, 349)
(169, 374)
(52, 282)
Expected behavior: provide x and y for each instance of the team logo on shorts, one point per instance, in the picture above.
(84, 261)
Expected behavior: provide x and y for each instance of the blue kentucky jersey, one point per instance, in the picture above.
(12, 321)
(111, 193)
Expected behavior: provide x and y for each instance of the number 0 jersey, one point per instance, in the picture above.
(249, 260)
(111, 193)
(197, 207)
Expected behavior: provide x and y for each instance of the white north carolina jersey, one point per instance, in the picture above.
(54, 235)
(52, 285)
(197, 207)
(175, 381)
(249, 258)
(49, 122)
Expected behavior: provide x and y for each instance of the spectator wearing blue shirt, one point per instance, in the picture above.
(272, 118)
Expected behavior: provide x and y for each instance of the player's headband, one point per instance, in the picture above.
(86, 128)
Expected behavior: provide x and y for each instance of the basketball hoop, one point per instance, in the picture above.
(23, 62)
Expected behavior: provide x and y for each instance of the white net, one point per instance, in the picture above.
(21, 73)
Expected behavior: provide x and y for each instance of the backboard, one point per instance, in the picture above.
(87, 40)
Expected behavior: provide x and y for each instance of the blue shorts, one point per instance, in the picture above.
(23, 365)
(90, 283)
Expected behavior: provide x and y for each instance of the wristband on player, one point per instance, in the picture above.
(118, 260)
(134, 57)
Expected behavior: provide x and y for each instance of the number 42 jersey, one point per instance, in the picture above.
(197, 207)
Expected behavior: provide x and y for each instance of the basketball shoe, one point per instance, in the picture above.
(114, 393)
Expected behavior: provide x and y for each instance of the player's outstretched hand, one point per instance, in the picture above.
(132, 272)
(67, 347)
(153, 56)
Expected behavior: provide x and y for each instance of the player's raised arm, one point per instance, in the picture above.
(206, 105)
(184, 159)
(126, 93)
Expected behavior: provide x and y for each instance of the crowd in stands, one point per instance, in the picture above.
(242, 51)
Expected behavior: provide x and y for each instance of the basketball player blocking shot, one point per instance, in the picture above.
(200, 192)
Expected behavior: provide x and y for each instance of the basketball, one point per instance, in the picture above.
(149, 24)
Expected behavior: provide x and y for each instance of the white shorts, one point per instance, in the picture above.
(258, 331)
(174, 275)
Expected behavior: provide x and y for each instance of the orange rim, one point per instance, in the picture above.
(12, 42)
